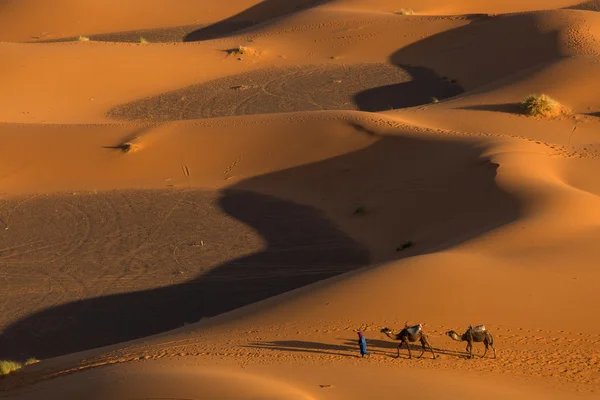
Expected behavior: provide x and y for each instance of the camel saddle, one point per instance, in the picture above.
(414, 329)
(477, 329)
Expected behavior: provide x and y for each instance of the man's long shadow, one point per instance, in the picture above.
(445, 186)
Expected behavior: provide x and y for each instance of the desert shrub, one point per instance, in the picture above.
(246, 50)
(540, 105)
(31, 360)
(7, 367)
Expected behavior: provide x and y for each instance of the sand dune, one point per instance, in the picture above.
(176, 381)
(216, 210)
(33, 20)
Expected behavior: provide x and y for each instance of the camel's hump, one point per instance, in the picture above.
(415, 329)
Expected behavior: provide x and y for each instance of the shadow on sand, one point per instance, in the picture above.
(422, 57)
(350, 348)
(262, 13)
(591, 5)
(266, 10)
(425, 87)
(478, 43)
(366, 87)
(507, 108)
(443, 191)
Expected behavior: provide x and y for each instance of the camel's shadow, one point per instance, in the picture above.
(349, 348)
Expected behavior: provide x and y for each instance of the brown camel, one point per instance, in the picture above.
(475, 334)
(409, 334)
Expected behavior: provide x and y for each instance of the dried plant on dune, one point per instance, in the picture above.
(541, 106)
(126, 147)
(7, 367)
(249, 51)
(31, 360)
(405, 11)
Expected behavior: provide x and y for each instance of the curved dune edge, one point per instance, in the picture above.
(172, 380)
(176, 383)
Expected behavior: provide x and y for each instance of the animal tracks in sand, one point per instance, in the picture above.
(552, 356)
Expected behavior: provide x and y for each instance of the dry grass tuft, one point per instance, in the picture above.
(7, 367)
(128, 147)
(83, 39)
(541, 106)
(143, 40)
(245, 50)
(406, 11)
(31, 360)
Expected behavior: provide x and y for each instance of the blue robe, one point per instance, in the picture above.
(362, 342)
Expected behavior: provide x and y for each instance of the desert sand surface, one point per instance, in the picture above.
(209, 201)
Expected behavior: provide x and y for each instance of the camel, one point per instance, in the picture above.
(409, 334)
(475, 334)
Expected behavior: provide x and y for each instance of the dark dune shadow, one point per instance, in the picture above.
(591, 5)
(474, 51)
(424, 87)
(465, 52)
(508, 108)
(443, 189)
(266, 10)
(365, 87)
(303, 247)
(594, 114)
(292, 89)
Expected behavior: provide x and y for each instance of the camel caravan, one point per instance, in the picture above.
(414, 333)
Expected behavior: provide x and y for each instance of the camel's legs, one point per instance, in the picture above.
(493, 348)
(400, 345)
(424, 342)
(422, 347)
(491, 340)
(470, 349)
(408, 348)
(485, 342)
